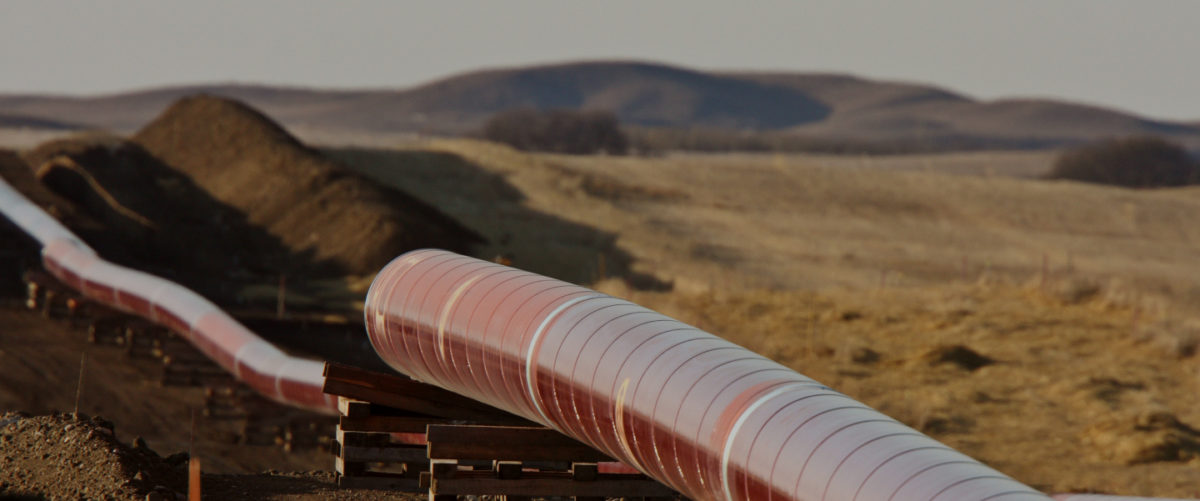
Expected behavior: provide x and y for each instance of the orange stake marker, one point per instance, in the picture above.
(194, 479)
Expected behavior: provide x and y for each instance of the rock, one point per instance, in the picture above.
(958, 355)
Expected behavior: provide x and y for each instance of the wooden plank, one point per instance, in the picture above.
(548, 465)
(364, 439)
(389, 424)
(397, 454)
(507, 443)
(349, 407)
(585, 472)
(348, 468)
(508, 470)
(397, 400)
(446, 400)
(606, 485)
(379, 481)
(415, 404)
(396, 383)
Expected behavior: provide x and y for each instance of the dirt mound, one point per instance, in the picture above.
(313, 205)
(153, 217)
(62, 456)
(18, 174)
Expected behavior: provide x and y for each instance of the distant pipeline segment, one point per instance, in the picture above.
(260, 365)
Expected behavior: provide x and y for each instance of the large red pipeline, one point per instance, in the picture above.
(707, 417)
(263, 367)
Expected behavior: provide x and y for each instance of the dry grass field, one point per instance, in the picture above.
(784, 222)
(1043, 327)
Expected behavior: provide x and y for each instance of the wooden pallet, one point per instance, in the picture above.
(396, 433)
(525, 463)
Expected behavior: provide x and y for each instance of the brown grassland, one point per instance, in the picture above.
(1042, 327)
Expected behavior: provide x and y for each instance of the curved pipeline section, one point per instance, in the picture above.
(707, 417)
(273, 373)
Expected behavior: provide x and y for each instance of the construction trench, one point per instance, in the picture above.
(706, 418)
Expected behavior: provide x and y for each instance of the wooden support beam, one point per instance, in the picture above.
(420, 398)
(348, 468)
(397, 454)
(506, 443)
(508, 470)
(349, 407)
(398, 384)
(585, 472)
(389, 424)
(362, 439)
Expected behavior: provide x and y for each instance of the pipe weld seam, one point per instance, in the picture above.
(533, 350)
(727, 450)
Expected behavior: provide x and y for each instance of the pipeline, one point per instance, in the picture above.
(252, 360)
(704, 416)
(733, 424)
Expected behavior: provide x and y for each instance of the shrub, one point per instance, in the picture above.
(558, 131)
(1138, 162)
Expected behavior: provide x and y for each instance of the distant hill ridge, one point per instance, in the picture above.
(805, 104)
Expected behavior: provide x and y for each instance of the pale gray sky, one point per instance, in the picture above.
(1136, 55)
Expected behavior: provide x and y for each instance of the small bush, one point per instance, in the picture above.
(1136, 162)
(558, 131)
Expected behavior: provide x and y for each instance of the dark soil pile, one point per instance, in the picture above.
(156, 218)
(62, 456)
(17, 174)
(311, 204)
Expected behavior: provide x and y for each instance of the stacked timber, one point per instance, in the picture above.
(397, 433)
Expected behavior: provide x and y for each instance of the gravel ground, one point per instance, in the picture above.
(68, 456)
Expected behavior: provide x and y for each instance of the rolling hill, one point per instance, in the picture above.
(812, 105)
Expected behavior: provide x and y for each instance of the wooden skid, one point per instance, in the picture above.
(470, 448)
(507, 443)
(406, 394)
(364, 439)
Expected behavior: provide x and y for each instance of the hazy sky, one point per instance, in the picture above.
(1138, 55)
